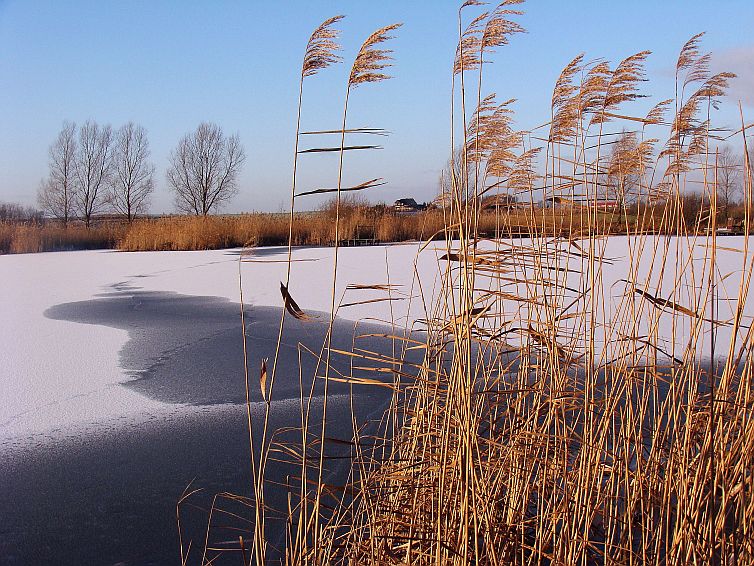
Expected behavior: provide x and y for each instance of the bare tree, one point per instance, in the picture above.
(626, 164)
(451, 179)
(56, 195)
(132, 179)
(204, 169)
(93, 168)
(17, 213)
(728, 179)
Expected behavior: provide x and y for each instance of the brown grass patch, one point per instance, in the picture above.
(49, 236)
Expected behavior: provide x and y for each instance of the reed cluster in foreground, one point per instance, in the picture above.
(532, 414)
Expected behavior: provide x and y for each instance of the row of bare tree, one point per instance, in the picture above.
(93, 169)
(17, 213)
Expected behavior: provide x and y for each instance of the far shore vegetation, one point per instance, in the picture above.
(27, 230)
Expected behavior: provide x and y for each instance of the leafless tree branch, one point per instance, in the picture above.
(204, 168)
(56, 192)
(93, 168)
(132, 181)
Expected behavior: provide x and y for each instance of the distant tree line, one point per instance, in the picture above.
(623, 181)
(17, 213)
(627, 170)
(94, 169)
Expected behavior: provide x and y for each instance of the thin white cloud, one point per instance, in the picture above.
(739, 60)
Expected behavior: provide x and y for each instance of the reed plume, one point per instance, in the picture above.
(371, 61)
(656, 114)
(564, 102)
(320, 53)
(467, 51)
(689, 129)
(499, 28)
(321, 49)
(549, 411)
(622, 86)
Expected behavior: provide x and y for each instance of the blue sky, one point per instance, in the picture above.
(171, 65)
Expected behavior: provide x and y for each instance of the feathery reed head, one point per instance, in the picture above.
(624, 82)
(564, 87)
(499, 28)
(471, 3)
(490, 137)
(468, 48)
(693, 62)
(629, 156)
(320, 51)
(622, 85)
(689, 131)
(689, 54)
(501, 157)
(485, 32)
(657, 114)
(565, 104)
(715, 86)
(370, 61)
(522, 173)
(593, 89)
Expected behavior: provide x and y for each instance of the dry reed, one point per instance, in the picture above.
(549, 419)
(16, 238)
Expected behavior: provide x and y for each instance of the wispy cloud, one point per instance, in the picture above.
(739, 60)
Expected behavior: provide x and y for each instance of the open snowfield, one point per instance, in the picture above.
(121, 376)
(121, 381)
(60, 377)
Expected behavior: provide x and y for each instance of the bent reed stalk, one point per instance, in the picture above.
(544, 411)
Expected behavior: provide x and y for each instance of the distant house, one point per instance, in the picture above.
(502, 203)
(408, 205)
(607, 205)
(601, 204)
(554, 202)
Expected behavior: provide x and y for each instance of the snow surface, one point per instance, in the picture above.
(60, 378)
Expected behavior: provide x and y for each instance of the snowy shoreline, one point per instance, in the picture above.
(121, 378)
(60, 377)
(122, 474)
(121, 382)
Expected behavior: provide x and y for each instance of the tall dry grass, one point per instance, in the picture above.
(375, 224)
(549, 419)
(17, 238)
(313, 229)
(366, 223)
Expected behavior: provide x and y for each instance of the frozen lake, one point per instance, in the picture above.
(121, 376)
(121, 380)
(61, 377)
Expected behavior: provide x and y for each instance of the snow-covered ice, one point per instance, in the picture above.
(62, 378)
(88, 450)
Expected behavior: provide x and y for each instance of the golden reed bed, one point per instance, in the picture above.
(548, 420)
